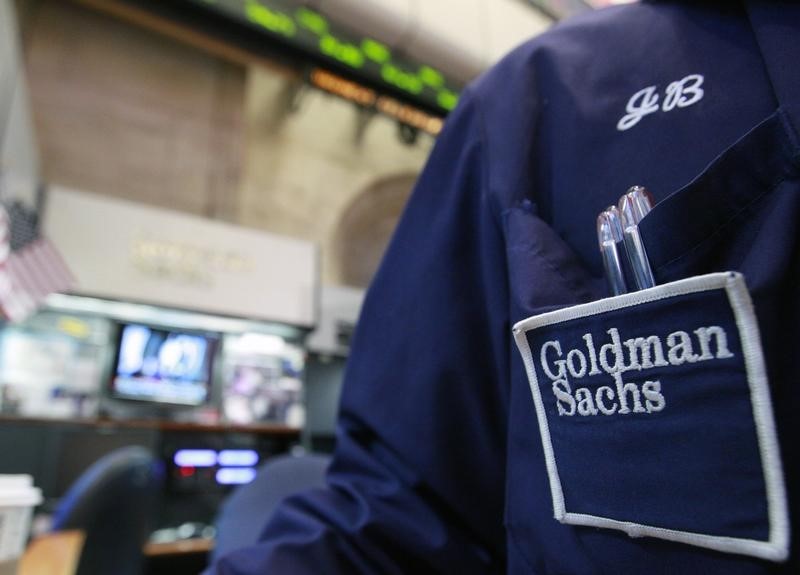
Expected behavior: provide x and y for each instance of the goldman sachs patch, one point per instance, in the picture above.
(655, 416)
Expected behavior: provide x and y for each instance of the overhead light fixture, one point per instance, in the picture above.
(408, 134)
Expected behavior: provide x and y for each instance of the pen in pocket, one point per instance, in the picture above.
(633, 206)
(609, 234)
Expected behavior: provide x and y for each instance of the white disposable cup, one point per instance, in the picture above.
(18, 497)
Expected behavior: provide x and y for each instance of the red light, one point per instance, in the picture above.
(187, 471)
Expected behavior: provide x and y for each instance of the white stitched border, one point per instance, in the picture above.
(777, 547)
(550, 460)
(744, 313)
(681, 287)
(762, 549)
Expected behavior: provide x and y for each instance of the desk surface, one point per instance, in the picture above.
(179, 547)
(54, 553)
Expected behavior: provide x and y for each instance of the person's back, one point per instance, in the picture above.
(444, 462)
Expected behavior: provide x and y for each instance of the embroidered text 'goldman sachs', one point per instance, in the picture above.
(616, 357)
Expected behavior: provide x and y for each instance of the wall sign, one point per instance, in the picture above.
(126, 251)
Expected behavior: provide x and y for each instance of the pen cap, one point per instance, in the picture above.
(609, 227)
(643, 200)
(634, 205)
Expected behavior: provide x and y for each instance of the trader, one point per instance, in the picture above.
(452, 454)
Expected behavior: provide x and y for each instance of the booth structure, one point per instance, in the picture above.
(182, 335)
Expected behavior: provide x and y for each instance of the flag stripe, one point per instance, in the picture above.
(20, 303)
(30, 266)
(40, 267)
(60, 278)
(34, 272)
(38, 285)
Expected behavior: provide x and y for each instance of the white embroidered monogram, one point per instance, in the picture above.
(679, 94)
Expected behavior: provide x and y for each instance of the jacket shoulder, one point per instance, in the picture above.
(594, 36)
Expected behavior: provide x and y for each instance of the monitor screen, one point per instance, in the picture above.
(163, 366)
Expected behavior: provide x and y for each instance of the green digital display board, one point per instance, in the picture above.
(366, 58)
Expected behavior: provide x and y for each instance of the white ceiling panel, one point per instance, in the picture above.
(510, 22)
(385, 20)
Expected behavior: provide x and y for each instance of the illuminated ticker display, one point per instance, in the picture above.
(313, 33)
(357, 93)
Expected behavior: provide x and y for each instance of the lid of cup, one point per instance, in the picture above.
(18, 491)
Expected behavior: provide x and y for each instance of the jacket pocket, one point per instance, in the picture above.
(655, 416)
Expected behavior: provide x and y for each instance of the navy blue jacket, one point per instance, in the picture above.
(439, 466)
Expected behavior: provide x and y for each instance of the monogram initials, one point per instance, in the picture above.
(679, 94)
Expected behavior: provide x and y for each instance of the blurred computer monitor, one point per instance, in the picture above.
(163, 366)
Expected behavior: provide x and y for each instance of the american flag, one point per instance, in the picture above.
(30, 266)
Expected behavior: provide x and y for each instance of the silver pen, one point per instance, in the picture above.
(609, 234)
(633, 206)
